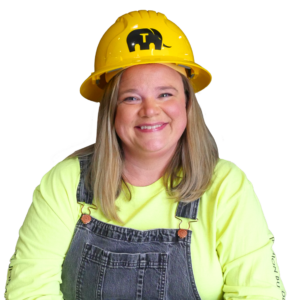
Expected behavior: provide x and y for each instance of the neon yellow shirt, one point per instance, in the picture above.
(231, 247)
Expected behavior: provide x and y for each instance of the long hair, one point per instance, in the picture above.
(187, 175)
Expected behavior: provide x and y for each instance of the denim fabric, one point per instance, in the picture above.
(110, 262)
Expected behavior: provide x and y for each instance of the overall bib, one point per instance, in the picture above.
(110, 262)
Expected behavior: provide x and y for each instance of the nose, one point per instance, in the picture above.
(150, 102)
(150, 106)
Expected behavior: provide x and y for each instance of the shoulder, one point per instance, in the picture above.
(231, 196)
(227, 172)
(225, 168)
(64, 174)
(66, 165)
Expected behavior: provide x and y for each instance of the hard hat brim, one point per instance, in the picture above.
(91, 91)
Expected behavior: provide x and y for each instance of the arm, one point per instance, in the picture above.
(44, 238)
(244, 243)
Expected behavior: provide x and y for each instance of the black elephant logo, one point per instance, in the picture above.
(144, 37)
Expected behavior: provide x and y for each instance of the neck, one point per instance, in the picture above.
(143, 170)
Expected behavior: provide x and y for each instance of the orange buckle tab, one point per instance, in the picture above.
(182, 233)
(84, 217)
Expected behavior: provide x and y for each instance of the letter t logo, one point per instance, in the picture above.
(144, 36)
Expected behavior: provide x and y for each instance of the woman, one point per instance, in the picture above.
(149, 211)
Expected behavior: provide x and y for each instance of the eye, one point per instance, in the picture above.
(166, 94)
(126, 99)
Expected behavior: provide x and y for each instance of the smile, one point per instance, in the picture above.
(152, 128)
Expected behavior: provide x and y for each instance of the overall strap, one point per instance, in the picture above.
(84, 194)
(188, 210)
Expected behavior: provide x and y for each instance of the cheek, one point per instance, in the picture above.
(123, 120)
(182, 122)
(119, 121)
(178, 115)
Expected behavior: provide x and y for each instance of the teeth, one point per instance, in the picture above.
(151, 127)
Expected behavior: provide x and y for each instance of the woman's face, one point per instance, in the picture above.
(151, 110)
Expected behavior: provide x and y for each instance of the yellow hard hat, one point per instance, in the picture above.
(142, 37)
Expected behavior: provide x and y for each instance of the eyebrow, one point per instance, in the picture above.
(160, 88)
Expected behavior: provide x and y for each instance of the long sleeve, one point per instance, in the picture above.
(244, 243)
(44, 238)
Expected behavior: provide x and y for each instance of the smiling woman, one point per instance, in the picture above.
(174, 162)
(149, 211)
(143, 85)
(150, 120)
(133, 99)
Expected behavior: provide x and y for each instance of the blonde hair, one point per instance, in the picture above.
(188, 174)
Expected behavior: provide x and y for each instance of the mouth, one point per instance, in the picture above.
(153, 129)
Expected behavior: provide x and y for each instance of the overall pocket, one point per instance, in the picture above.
(108, 275)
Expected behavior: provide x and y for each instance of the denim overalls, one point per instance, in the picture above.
(110, 262)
